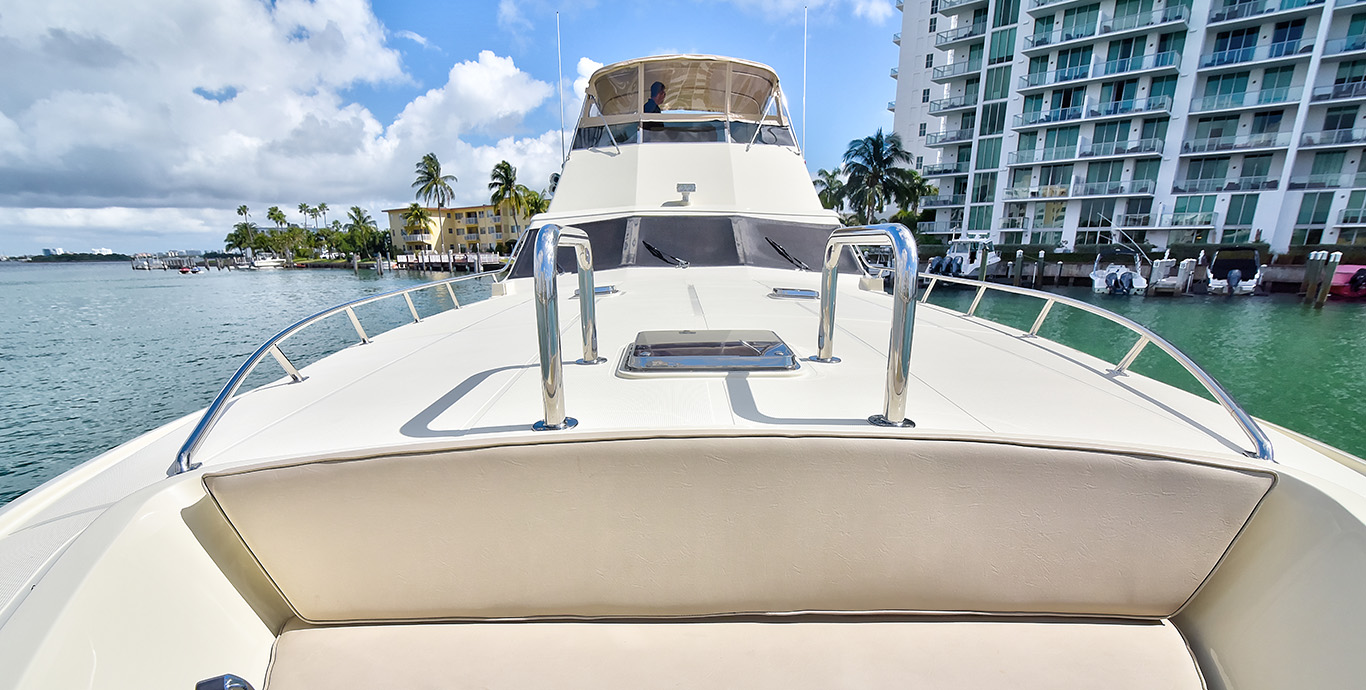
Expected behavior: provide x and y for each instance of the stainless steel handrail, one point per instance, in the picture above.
(1262, 444)
(183, 461)
(548, 240)
(906, 264)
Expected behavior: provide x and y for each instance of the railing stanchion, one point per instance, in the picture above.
(285, 364)
(364, 339)
(549, 237)
(1043, 314)
(411, 309)
(451, 291)
(978, 299)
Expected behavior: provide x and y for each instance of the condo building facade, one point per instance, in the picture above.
(1074, 122)
(464, 229)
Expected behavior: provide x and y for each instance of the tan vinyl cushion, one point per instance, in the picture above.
(689, 527)
(755, 656)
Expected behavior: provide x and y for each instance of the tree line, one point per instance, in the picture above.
(359, 235)
(874, 179)
(505, 193)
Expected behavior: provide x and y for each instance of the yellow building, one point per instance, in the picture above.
(467, 228)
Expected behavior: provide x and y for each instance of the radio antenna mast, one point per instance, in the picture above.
(804, 38)
(559, 84)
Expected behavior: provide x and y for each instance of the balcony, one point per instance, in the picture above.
(1143, 20)
(951, 136)
(894, 72)
(1251, 99)
(956, 69)
(1135, 220)
(1333, 137)
(1073, 33)
(947, 6)
(962, 33)
(1265, 140)
(1338, 46)
(1188, 220)
(900, 6)
(1047, 191)
(1352, 216)
(1102, 149)
(1329, 181)
(891, 105)
(939, 227)
(1116, 188)
(1014, 223)
(1338, 92)
(1135, 105)
(943, 200)
(1208, 186)
(940, 169)
(1045, 117)
(1140, 63)
(1347, 3)
(1066, 74)
(945, 105)
(1284, 49)
(1242, 10)
(1033, 156)
(896, 38)
(418, 237)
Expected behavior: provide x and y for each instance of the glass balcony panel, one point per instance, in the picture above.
(1245, 141)
(1351, 89)
(1056, 76)
(1333, 137)
(1059, 36)
(960, 33)
(1254, 8)
(1189, 220)
(943, 200)
(1253, 54)
(1118, 187)
(1249, 99)
(1344, 45)
(1138, 21)
(944, 104)
(957, 168)
(1048, 116)
(1041, 192)
(939, 227)
(949, 137)
(1139, 63)
(1322, 181)
(1120, 148)
(1031, 156)
(959, 68)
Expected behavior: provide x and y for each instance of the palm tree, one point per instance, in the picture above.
(876, 176)
(536, 202)
(241, 236)
(830, 188)
(322, 209)
(305, 210)
(276, 216)
(246, 223)
(505, 190)
(416, 218)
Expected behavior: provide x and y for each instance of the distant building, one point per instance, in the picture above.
(102, 251)
(466, 228)
(53, 252)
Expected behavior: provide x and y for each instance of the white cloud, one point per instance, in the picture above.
(876, 10)
(414, 37)
(510, 16)
(873, 10)
(134, 124)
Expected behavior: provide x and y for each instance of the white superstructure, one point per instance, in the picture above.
(718, 463)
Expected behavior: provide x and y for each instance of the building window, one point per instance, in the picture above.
(984, 188)
(929, 60)
(934, 6)
(919, 162)
(933, 24)
(993, 119)
(1007, 12)
(922, 129)
(989, 154)
(1002, 46)
(925, 96)
(998, 84)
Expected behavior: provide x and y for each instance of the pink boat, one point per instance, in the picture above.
(1349, 281)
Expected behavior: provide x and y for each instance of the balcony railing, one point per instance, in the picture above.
(1120, 148)
(943, 200)
(1135, 105)
(1057, 76)
(1014, 223)
(1250, 99)
(959, 168)
(1257, 53)
(1199, 186)
(1189, 219)
(1344, 45)
(1352, 216)
(951, 136)
(946, 5)
(1137, 21)
(891, 105)
(938, 227)
(1333, 137)
(1139, 63)
(894, 72)
(1116, 188)
(1136, 220)
(896, 38)
(1328, 181)
(1244, 141)
(1049, 116)
(1048, 191)
(960, 33)
(1232, 11)
(1347, 3)
(1063, 35)
(944, 104)
(954, 69)
(417, 237)
(1334, 92)
(1032, 156)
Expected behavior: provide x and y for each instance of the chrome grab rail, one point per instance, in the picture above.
(1260, 442)
(906, 264)
(548, 240)
(183, 461)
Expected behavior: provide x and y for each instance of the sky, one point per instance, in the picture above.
(141, 125)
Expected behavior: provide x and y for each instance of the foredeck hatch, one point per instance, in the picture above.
(709, 350)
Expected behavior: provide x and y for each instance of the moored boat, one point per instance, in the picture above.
(719, 464)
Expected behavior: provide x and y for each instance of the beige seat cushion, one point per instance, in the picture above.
(1009, 654)
(702, 526)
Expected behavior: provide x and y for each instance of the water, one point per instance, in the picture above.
(92, 355)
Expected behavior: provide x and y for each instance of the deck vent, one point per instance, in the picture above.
(599, 290)
(717, 350)
(793, 293)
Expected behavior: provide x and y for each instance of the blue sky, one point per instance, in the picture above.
(141, 126)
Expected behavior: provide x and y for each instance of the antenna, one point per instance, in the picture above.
(804, 36)
(559, 84)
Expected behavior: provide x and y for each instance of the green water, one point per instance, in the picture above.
(93, 355)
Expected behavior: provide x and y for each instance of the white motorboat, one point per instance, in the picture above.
(267, 262)
(1235, 271)
(1116, 278)
(1171, 277)
(967, 255)
(730, 481)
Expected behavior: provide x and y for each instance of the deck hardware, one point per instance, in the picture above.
(355, 322)
(408, 298)
(793, 293)
(1261, 443)
(549, 237)
(1043, 314)
(285, 364)
(977, 300)
(599, 290)
(451, 291)
(709, 350)
(686, 188)
(184, 457)
(1123, 367)
(906, 264)
(925, 296)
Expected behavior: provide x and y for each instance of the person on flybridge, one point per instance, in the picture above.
(656, 102)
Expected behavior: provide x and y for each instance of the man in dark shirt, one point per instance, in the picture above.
(656, 98)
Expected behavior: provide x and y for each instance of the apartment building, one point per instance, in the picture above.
(1076, 122)
(915, 112)
(468, 228)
